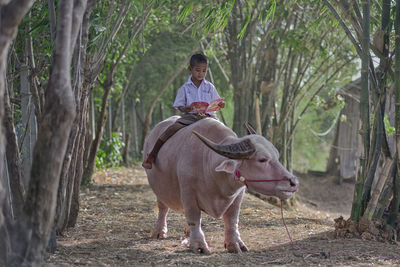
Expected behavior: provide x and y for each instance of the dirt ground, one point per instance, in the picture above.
(118, 213)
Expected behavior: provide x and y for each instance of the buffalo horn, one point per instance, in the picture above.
(242, 150)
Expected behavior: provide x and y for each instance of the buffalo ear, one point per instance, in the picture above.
(228, 166)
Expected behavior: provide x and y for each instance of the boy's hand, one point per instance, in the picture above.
(185, 109)
(221, 104)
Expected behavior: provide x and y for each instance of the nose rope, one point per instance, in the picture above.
(238, 177)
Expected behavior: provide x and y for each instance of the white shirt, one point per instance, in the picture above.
(189, 93)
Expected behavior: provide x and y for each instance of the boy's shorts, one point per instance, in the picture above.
(189, 118)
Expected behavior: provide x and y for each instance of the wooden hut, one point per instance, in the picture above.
(344, 152)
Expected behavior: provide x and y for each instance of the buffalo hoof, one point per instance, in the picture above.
(200, 248)
(158, 235)
(238, 247)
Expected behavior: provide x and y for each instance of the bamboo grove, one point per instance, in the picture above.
(378, 158)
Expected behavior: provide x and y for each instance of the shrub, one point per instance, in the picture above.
(109, 153)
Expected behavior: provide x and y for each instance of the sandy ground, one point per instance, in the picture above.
(119, 211)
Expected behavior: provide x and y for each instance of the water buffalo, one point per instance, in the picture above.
(206, 167)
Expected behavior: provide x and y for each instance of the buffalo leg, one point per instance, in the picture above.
(193, 218)
(161, 227)
(233, 243)
(186, 230)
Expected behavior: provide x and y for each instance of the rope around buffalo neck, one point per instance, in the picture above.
(238, 177)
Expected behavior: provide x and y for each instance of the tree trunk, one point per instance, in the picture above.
(120, 102)
(234, 56)
(87, 173)
(258, 116)
(74, 202)
(125, 154)
(27, 118)
(13, 161)
(69, 171)
(35, 88)
(29, 243)
(268, 92)
(15, 11)
(133, 126)
(123, 120)
(110, 129)
(62, 208)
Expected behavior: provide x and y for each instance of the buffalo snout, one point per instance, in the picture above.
(293, 181)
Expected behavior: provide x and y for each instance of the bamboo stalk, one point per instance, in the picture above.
(385, 194)
(379, 100)
(396, 191)
(372, 204)
(397, 76)
(357, 209)
(258, 118)
(375, 153)
(384, 198)
(394, 210)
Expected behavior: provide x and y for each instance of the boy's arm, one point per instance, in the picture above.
(180, 99)
(214, 93)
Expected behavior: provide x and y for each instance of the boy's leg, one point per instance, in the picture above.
(170, 131)
(185, 120)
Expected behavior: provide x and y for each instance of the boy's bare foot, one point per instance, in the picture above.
(148, 162)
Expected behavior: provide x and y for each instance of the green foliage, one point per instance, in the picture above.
(312, 149)
(315, 132)
(388, 128)
(109, 152)
(174, 28)
(266, 14)
(244, 27)
(165, 54)
(209, 15)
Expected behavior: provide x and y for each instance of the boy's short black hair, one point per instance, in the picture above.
(198, 59)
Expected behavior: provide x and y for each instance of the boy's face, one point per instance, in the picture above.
(198, 72)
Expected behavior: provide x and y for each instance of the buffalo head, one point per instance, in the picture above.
(254, 161)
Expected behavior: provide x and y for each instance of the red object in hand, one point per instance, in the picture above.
(199, 107)
(216, 105)
(203, 107)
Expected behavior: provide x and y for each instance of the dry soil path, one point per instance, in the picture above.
(118, 213)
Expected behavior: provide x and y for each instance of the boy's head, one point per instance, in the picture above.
(198, 67)
(198, 59)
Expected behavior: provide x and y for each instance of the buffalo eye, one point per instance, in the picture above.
(262, 160)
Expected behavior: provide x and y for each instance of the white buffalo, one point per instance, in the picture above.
(206, 167)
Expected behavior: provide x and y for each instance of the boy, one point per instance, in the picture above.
(196, 89)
